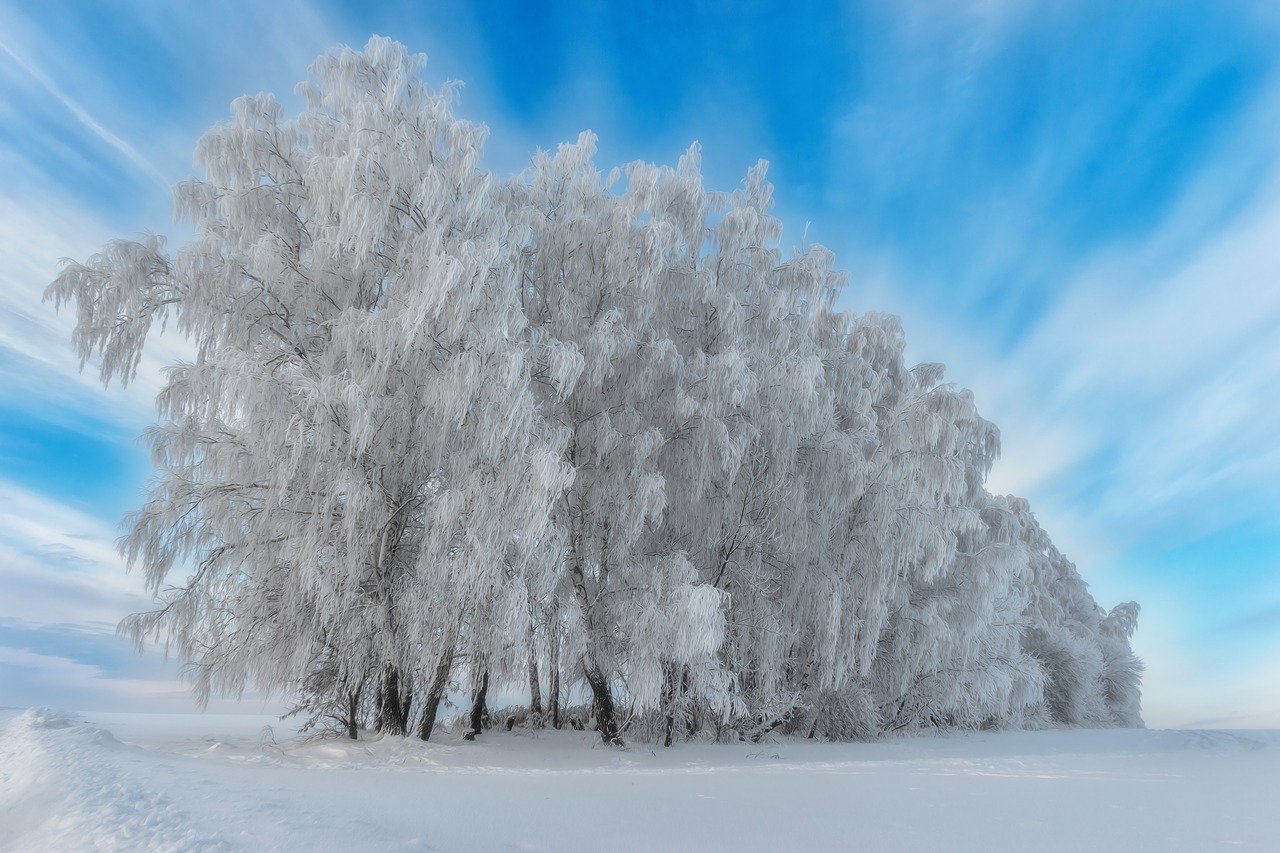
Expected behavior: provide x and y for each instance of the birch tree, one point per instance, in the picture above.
(597, 271)
(349, 458)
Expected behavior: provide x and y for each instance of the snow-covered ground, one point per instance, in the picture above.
(173, 782)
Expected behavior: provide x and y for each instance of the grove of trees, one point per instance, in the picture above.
(591, 436)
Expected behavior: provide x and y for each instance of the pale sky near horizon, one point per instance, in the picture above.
(1072, 204)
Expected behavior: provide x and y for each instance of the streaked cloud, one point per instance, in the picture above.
(41, 375)
(1161, 368)
(59, 564)
(32, 678)
(127, 151)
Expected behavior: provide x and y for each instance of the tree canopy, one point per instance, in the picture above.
(595, 434)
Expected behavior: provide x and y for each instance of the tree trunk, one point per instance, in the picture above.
(674, 700)
(693, 723)
(406, 705)
(553, 641)
(603, 698)
(353, 710)
(606, 722)
(439, 680)
(477, 706)
(390, 719)
(669, 699)
(535, 688)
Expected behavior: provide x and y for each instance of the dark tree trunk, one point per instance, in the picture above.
(603, 699)
(477, 706)
(554, 663)
(390, 718)
(535, 688)
(439, 680)
(406, 703)
(673, 699)
(669, 699)
(535, 692)
(693, 722)
(783, 720)
(606, 723)
(353, 710)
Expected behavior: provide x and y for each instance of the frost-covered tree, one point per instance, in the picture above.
(1121, 668)
(599, 275)
(759, 487)
(353, 455)
(593, 433)
(1091, 676)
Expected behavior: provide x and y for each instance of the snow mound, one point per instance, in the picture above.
(48, 718)
(67, 785)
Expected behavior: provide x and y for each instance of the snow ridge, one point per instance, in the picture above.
(65, 785)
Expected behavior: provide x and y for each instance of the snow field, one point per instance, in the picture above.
(163, 782)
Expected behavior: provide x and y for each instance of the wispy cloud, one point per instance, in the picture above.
(82, 115)
(1136, 416)
(65, 588)
(33, 678)
(1159, 371)
(1123, 368)
(41, 375)
(59, 564)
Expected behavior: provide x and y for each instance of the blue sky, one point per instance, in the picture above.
(1072, 204)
